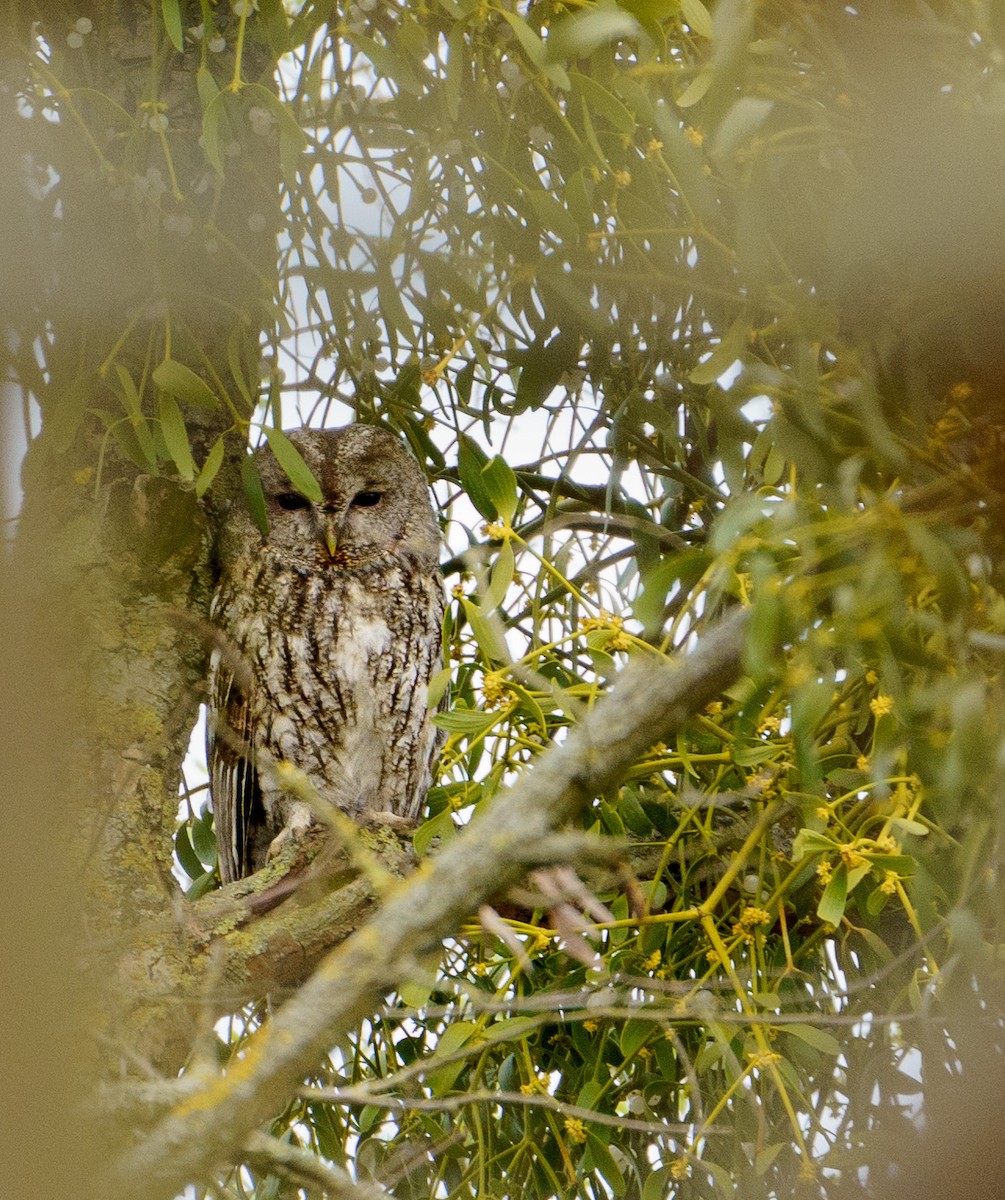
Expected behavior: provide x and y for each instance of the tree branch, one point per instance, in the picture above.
(293, 1162)
(648, 703)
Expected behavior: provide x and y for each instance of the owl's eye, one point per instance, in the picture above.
(292, 501)
(365, 499)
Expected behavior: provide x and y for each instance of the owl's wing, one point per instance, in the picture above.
(232, 776)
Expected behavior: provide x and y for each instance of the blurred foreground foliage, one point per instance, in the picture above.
(684, 308)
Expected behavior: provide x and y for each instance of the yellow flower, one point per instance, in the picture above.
(590, 1026)
(622, 178)
(763, 1058)
(653, 148)
(750, 918)
(889, 884)
(871, 677)
(862, 762)
(644, 1052)
(824, 813)
(603, 620)
(881, 705)
(852, 857)
(83, 477)
(713, 709)
(576, 1130)
(694, 136)
(743, 583)
(493, 532)
(492, 689)
(653, 961)
(961, 391)
(680, 1168)
(824, 872)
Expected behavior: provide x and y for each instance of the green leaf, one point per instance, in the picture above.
(171, 13)
(634, 815)
(214, 460)
(186, 854)
(293, 140)
(695, 90)
(589, 1095)
(251, 481)
(183, 383)
(470, 460)
(277, 26)
(577, 36)
(204, 843)
(501, 577)
(215, 131)
(414, 993)
(441, 826)
(742, 121)
(808, 842)
(767, 1156)
(204, 883)
(470, 721)
(819, 1039)
(131, 403)
(832, 902)
(658, 1186)
(634, 1036)
(604, 102)
(542, 366)
(605, 1164)
(389, 64)
(206, 86)
(176, 436)
(906, 825)
(290, 459)
(532, 45)
(488, 632)
(438, 686)
(453, 1038)
(729, 349)
(942, 562)
(500, 486)
(697, 16)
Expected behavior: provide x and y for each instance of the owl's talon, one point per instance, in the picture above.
(299, 821)
(389, 820)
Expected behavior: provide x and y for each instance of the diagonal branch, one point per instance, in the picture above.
(648, 703)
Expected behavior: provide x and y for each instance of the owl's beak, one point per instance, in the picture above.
(331, 539)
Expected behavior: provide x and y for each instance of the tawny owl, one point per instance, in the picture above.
(331, 633)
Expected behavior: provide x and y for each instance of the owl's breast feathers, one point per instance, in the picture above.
(341, 661)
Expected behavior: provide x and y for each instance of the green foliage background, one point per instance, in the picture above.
(693, 307)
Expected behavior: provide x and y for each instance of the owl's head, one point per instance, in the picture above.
(375, 505)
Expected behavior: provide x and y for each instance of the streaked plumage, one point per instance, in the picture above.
(331, 633)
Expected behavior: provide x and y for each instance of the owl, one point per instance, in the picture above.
(330, 633)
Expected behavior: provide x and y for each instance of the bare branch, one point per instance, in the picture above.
(293, 1162)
